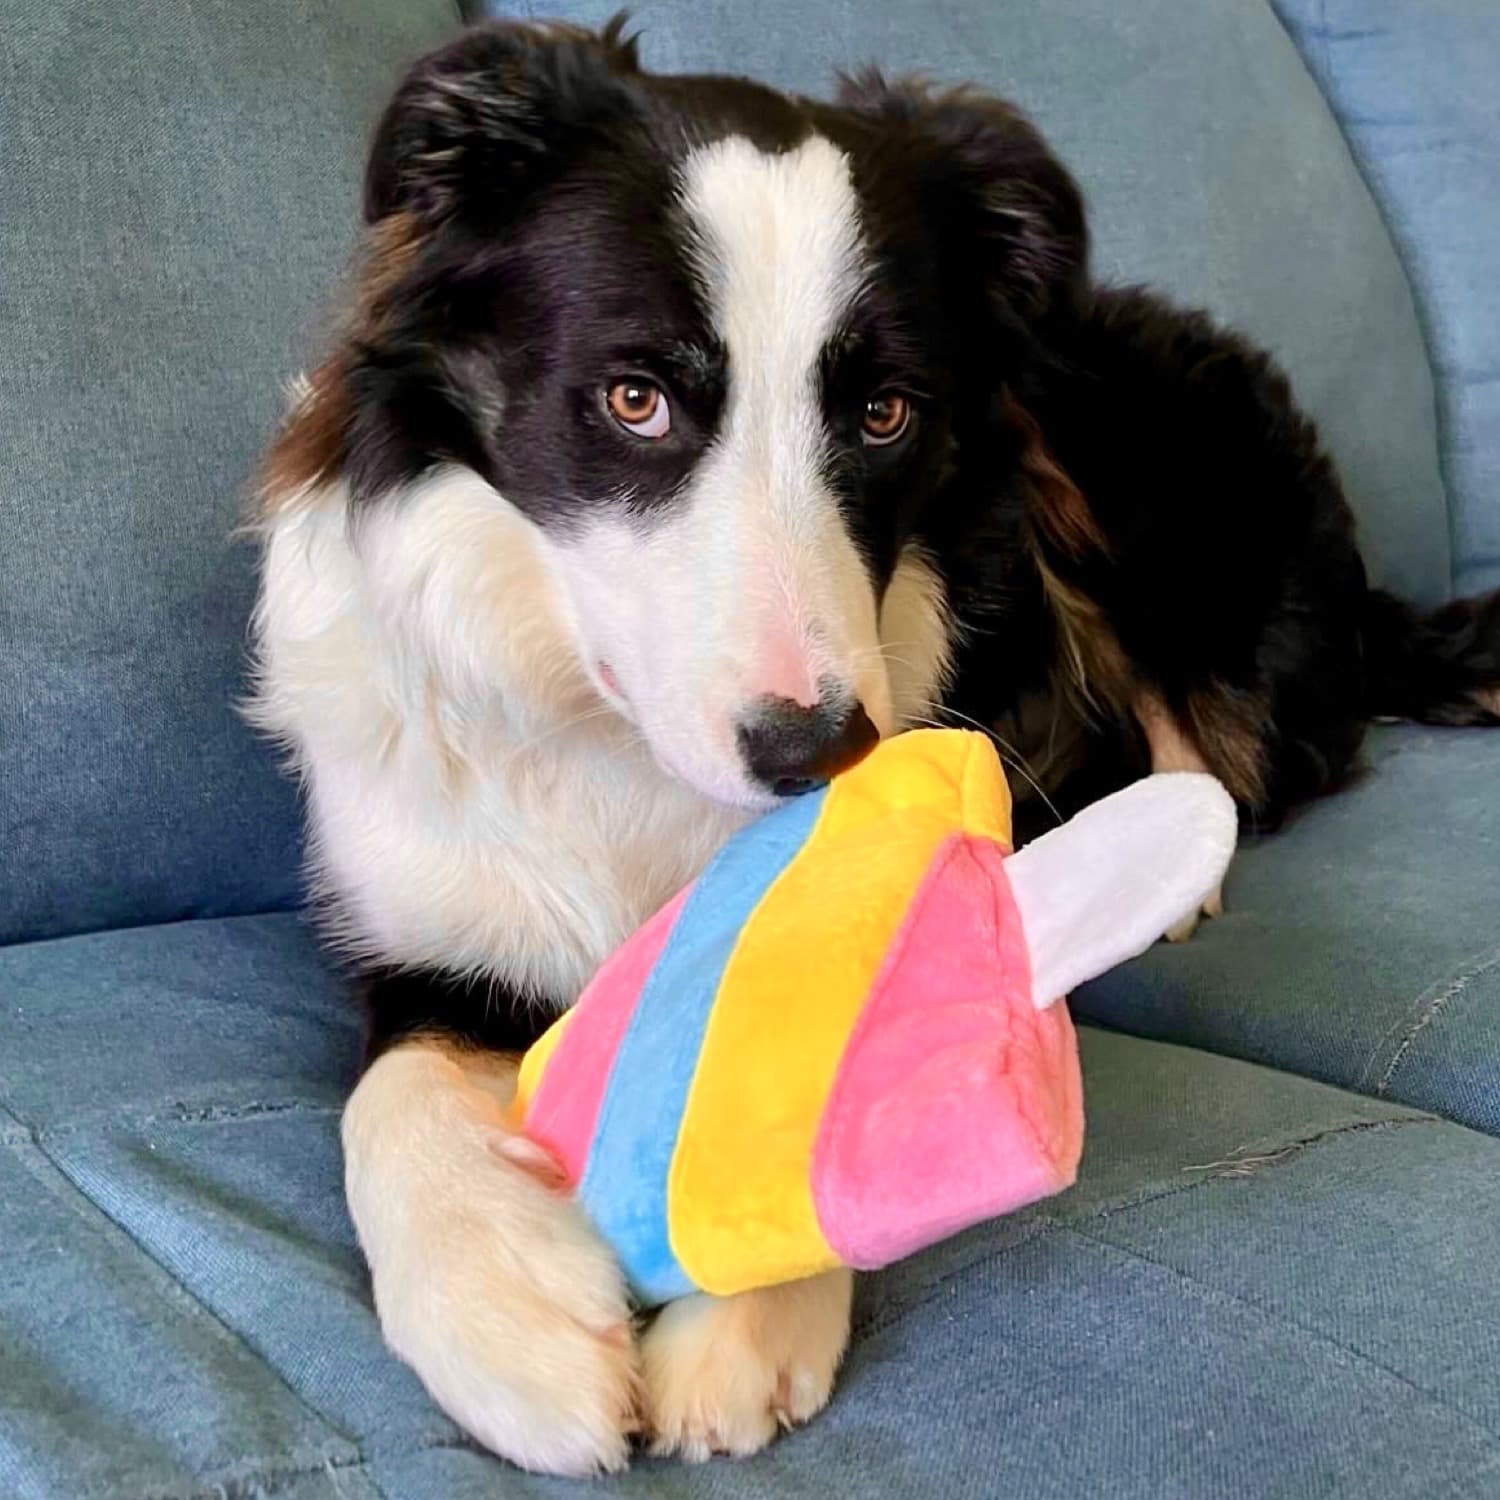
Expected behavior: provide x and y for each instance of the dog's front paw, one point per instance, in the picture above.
(529, 1349)
(723, 1374)
(488, 1282)
(1181, 931)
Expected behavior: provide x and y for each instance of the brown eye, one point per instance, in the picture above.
(887, 417)
(639, 407)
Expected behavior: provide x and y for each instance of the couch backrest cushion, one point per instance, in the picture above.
(1416, 86)
(178, 194)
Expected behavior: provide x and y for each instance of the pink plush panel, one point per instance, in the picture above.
(956, 1099)
(565, 1108)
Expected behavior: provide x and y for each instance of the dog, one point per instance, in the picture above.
(682, 439)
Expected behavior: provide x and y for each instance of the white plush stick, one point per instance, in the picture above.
(1108, 883)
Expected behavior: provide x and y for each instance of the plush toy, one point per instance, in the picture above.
(842, 1043)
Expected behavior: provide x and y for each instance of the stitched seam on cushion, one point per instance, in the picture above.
(1044, 1223)
(27, 1145)
(179, 1112)
(1222, 1298)
(1246, 1161)
(215, 1486)
(1436, 1003)
(229, 1483)
(299, 915)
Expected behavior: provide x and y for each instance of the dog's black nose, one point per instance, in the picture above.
(792, 749)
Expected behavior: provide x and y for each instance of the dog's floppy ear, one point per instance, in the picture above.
(481, 119)
(986, 166)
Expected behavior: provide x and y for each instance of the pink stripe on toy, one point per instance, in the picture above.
(565, 1110)
(949, 1048)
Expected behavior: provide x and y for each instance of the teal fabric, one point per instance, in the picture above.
(1360, 945)
(1413, 84)
(1261, 1287)
(179, 188)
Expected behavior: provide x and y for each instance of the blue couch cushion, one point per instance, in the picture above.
(178, 193)
(1414, 85)
(1360, 945)
(1261, 1287)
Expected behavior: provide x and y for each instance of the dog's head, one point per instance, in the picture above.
(723, 348)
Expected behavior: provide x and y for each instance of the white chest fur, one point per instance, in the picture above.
(471, 800)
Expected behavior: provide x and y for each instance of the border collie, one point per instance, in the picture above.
(684, 438)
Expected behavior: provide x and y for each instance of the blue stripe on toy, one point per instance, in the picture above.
(624, 1186)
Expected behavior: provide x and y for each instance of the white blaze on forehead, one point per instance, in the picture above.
(779, 251)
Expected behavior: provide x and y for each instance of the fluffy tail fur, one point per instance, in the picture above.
(1437, 668)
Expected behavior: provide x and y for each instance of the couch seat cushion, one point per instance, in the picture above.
(1261, 1286)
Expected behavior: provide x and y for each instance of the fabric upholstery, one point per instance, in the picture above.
(1413, 84)
(1261, 1287)
(178, 195)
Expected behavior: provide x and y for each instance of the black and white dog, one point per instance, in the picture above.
(683, 438)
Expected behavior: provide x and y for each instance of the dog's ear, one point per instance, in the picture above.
(986, 168)
(482, 119)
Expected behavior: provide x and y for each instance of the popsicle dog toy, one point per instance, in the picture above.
(843, 1041)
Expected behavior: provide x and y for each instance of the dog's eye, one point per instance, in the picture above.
(639, 407)
(887, 417)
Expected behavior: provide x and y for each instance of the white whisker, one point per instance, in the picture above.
(1009, 755)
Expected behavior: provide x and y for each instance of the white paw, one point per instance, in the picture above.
(1212, 907)
(488, 1282)
(724, 1374)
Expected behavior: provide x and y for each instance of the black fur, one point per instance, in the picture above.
(401, 1003)
(1208, 540)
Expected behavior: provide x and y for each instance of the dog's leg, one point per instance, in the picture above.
(721, 1374)
(488, 1281)
(1173, 749)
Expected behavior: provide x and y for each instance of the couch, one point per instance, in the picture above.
(1278, 1275)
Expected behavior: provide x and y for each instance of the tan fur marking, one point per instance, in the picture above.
(1230, 728)
(1061, 528)
(1098, 673)
(309, 449)
(1045, 732)
(1172, 747)
(1175, 748)
(1221, 732)
(1062, 516)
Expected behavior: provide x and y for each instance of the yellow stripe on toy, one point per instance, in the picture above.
(741, 1198)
